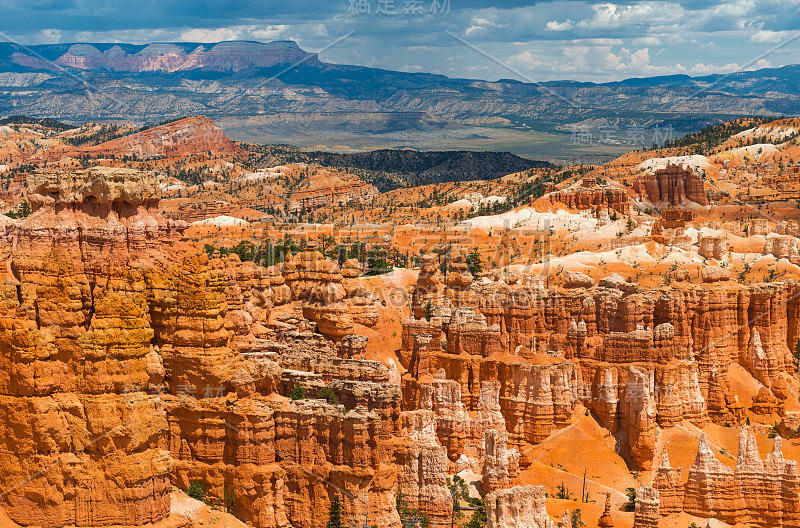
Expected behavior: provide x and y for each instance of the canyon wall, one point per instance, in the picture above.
(133, 362)
(82, 443)
(756, 492)
(638, 358)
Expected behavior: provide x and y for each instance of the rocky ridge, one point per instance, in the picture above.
(141, 362)
(252, 380)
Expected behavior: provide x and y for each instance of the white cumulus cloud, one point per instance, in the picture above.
(525, 60)
(554, 25)
(769, 37)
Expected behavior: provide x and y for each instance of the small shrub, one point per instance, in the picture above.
(563, 493)
(476, 520)
(298, 392)
(577, 522)
(196, 491)
(773, 431)
(326, 393)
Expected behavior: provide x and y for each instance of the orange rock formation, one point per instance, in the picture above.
(132, 361)
(756, 492)
(589, 193)
(671, 186)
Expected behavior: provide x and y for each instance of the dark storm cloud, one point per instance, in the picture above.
(84, 15)
(557, 38)
(81, 15)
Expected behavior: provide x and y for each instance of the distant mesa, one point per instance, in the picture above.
(422, 110)
(173, 57)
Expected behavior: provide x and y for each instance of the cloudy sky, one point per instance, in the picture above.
(592, 41)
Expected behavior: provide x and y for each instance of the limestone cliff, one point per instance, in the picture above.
(83, 442)
(673, 185)
(756, 492)
(133, 362)
(638, 358)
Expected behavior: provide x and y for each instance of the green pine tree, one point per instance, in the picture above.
(335, 515)
(24, 209)
(631, 493)
(474, 262)
(476, 521)
(427, 310)
(577, 522)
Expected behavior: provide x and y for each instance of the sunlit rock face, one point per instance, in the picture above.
(133, 362)
(756, 492)
(83, 443)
